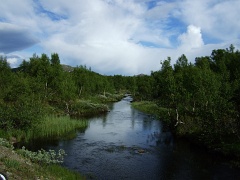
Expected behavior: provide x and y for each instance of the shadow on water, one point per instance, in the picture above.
(128, 144)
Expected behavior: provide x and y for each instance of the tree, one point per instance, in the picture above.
(20, 107)
(168, 89)
(5, 75)
(144, 85)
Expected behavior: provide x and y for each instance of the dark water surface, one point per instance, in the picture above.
(128, 144)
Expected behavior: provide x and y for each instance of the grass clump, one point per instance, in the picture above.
(11, 163)
(85, 108)
(5, 143)
(56, 127)
(62, 173)
(146, 106)
(50, 127)
(107, 97)
(150, 107)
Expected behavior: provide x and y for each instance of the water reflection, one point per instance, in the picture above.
(128, 144)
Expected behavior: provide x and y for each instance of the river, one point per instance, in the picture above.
(128, 144)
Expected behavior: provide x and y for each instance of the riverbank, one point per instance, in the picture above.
(50, 127)
(15, 166)
(190, 130)
(58, 124)
(84, 107)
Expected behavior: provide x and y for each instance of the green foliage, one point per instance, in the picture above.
(19, 115)
(44, 165)
(62, 173)
(144, 87)
(151, 107)
(40, 86)
(43, 157)
(11, 163)
(5, 76)
(56, 127)
(87, 108)
(5, 143)
(202, 98)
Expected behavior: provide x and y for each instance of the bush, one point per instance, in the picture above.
(5, 143)
(20, 115)
(86, 108)
(43, 157)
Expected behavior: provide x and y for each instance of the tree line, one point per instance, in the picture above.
(200, 98)
(43, 86)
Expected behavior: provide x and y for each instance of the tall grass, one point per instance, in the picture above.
(62, 173)
(150, 108)
(52, 127)
(85, 108)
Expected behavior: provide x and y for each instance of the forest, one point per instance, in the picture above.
(199, 100)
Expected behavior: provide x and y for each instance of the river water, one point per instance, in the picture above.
(128, 144)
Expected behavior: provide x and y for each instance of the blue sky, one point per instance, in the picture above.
(117, 36)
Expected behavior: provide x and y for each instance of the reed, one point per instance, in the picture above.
(55, 127)
(50, 127)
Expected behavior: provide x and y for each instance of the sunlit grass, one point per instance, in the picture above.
(11, 163)
(150, 107)
(62, 173)
(52, 126)
(85, 108)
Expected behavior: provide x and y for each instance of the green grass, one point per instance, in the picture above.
(16, 166)
(52, 126)
(11, 163)
(85, 108)
(11, 134)
(62, 173)
(146, 106)
(150, 107)
(107, 98)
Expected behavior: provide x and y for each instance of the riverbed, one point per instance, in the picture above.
(128, 144)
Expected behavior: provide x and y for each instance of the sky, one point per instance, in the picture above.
(126, 37)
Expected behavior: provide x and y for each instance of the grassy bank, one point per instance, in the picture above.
(84, 107)
(147, 107)
(50, 127)
(192, 131)
(108, 97)
(150, 108)
(87, 108)
(56, 127)
(16, 166)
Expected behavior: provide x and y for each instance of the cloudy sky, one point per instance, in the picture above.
(117, 36)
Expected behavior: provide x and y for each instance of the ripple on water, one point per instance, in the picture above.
(128, 144)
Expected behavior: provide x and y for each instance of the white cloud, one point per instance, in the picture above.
(111, 36)
(14, 60)
(218, 19)
(191, 39)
